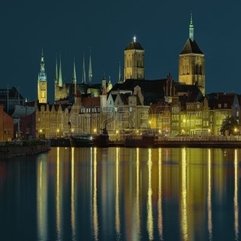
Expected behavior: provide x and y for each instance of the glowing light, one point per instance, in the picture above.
(134, 39)
(57, 130)
(117, 131)
(40, 131)
(95, 130)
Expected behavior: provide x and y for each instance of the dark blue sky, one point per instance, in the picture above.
(72, 27)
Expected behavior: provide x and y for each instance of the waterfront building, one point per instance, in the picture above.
(6, 125)
(192, 62)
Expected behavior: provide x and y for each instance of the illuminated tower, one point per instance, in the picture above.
(192, 62)
(134, 61)
(42, 82)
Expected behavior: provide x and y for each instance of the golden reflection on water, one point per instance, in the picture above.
(135, 186)
(235, 199)
(184, 221)
(160, 218)
(149, 197)
(58, 196)
(209, 196)
(117, 202)
(42, 197)
(73, 201)
(95, 205)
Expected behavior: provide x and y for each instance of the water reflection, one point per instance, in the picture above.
(95, 196)
(183, 201)
(235, 199)
(160, 218)
(209, 196)
(42, 197)
(127, 194)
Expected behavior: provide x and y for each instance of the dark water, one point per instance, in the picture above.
(122, 194)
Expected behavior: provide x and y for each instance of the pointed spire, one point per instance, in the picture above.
(90, 70)
(75, 79)
(74, 74)
(56, 72)
(42, 75)
(191, 29)
(42, 64)
(84, 73)
(60, 73)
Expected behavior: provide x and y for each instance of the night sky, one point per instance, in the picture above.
(73, 27)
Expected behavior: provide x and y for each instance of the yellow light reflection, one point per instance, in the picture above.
(58, 198)
(95, 206)
(73, 216)
(160, 219)
(209, 197)
(184, 222)
(235, 199)
(117, 204)
(149, 198)
(136, 207)
(42, 200)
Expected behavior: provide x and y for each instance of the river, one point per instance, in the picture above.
(132, 194)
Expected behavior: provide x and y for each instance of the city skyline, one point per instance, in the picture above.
(72, 29)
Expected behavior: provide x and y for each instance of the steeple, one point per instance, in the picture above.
(90, 70)
(75, 79)
(42, 75)
(42, 82)
(60, 82)
(84, 73)
(191, 29)
(56, 72)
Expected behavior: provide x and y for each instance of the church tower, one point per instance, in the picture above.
(134, 61)
(42, 82)
(192, 62)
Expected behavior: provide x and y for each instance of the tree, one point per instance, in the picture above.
(229, 126)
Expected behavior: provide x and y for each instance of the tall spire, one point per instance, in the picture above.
(90, 70)
(42, 75)
(191, 29)
(84, 73)
(56, 73)
(60, 73)
(75, 79)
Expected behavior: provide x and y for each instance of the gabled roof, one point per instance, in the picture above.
(191, 47)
